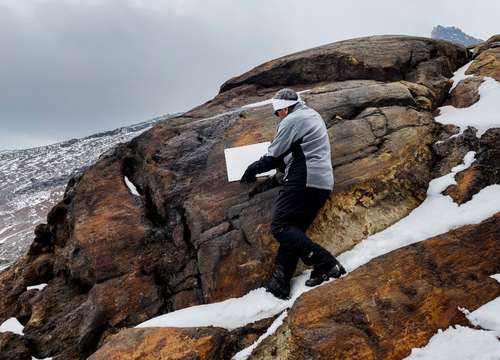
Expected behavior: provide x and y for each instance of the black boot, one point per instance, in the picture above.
(278, 283)
(319, 276)
(285, 262)
(325, 265)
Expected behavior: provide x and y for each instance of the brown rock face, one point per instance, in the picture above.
(465, 93)
(14, 347)
(486, 168)
(180, 343)
(487, 59)
(394, 303)
(364, 58)
(165, 343)
(113, 259)
(484, 171)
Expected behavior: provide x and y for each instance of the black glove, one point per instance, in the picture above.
(250, 172)
(268, 184)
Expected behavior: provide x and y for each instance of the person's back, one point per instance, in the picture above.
(308, 162)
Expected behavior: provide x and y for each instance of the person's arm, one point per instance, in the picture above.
(276, 152)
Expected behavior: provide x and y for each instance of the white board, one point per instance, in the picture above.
(238, 159)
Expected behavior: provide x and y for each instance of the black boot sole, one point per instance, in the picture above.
(336, 272)
(278, 295)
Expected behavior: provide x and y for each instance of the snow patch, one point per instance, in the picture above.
(12, 325)
(464, 342)
(482, 115)
(488, 315)
(232, 313)
(37, 287)
(439, 214)
(131, 187)
(459, 343)
(459, 75)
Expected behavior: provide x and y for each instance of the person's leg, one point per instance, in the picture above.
(285, 262)
(294, 211)
(324, 264)
(286, 206)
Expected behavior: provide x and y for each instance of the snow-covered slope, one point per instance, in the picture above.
(33, 180)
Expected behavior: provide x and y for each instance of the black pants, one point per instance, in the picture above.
(294, 211)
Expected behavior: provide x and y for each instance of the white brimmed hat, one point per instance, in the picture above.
(284, 98)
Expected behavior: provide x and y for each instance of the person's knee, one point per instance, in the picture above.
(277, 229)
(278, 232)
(288, 236)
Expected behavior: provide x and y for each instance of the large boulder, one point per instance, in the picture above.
(179, 343)
(167, 344)
(394, 303)
(386, 58)
(113, 259)
(487, 59)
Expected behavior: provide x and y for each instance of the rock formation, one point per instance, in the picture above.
(113, 259)
(454, 35)
(394, 303)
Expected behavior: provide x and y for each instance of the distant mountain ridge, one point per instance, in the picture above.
(33, 180)
(454, 35)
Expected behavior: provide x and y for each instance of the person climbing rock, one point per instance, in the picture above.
(302, 147)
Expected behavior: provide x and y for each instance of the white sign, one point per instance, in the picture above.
(238, 159)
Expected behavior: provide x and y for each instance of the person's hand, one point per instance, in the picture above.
(250, 174)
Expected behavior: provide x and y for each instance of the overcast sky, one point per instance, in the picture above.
(70, 68)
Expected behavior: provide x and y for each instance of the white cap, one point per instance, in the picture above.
(279, 104)
(284, 98)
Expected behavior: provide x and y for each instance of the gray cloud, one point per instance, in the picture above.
(71, 68)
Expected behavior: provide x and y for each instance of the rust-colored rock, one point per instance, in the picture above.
(450, 152)
(394, 303)
(165, 344)
(487, 59)
(245, 336)
(191, 237)
(465, 93)
(484, 171)
(362, 58)
(180, 343)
